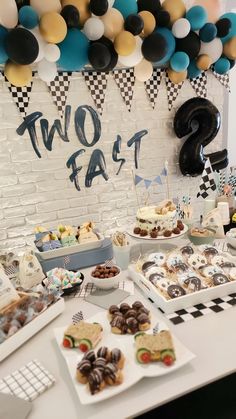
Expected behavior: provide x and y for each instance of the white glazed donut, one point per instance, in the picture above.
(174, 259)
(197, 260)
(159, 258)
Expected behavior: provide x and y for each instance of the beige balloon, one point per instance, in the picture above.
(82, 6)
(8, 13)
(204, 62)
(230, 48)
(125, 43)
(45, 6)
(176, 9)
(175, 77)
(143, 71)
(53, 27)
(149, 22)
(113, 23)
(18, 75)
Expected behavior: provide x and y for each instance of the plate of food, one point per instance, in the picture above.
(113, 350)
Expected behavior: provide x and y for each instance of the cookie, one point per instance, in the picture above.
(232, 274)
(194, 283)
(209, 270)
(159, 258)
(175, 291)
(210, 252)
(227, 266)
(147, 265)
(219, 260)
(197, 260)
(174, 259)
(187, 251)
(181, 268)
(219, 279)
(156, 270)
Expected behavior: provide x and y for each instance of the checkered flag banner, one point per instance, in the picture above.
(207, 181)
(156, 329)
(199, 85)
(97, 85)
(21, 96)
(59, 88)
(152, 86)
(125, 80)
(77, 317)
(223, 79)
(172, 91)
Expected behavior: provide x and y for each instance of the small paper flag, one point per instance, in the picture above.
(137, 180)
(97, 85)
(147, 183)
(199, 85)
(125, 80)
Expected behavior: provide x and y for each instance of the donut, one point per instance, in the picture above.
(175, 291)
(194, 283)
(174, 259)
(209, 270)
(159, 281)
(197, 260)
(187, 250)
(219, 279)
(159, 258)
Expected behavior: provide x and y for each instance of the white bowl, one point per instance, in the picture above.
(231, 237)
(106, 283)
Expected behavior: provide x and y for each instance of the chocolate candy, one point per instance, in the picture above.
(219, 279)
(115, 356)
(154, 234)
(137, 230)
(95, 379)
(176, 230)
(105, 271)
(167, 233)
(84, 367)
(143, 233)
(175, 291)
(90, 355)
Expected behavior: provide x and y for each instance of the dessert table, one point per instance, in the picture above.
(211, 338)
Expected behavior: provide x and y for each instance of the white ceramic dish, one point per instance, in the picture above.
(159, 238)
(106, 283)
(231, 237)
(133, 371)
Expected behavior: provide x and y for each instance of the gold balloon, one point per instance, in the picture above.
(18, 75)
(176, 9)
(204, 62)
(149, 22)
(113, 23)
(82, 6)
(175, 77)
(53, 27)
(230, 48)
(125, 43)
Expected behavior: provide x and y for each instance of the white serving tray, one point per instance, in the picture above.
(30, 329)
(188, 300)
(133, 371)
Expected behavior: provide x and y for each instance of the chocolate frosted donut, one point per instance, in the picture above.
(137, 305)
(100, 363)
(103, 352)
(90, 355)
(124, 307)
(84, 367)
(195, 281)
(115, 356)
(219, 279)
(95, 380)
(187, 250)
(175, 291)
(147, 265)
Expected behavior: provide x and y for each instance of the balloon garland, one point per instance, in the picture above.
(48, 35)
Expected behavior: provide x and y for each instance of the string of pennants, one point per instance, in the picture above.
(148, 182)
(125, 80)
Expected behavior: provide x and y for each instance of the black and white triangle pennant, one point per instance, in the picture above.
(207, 182)
(172, 91)
(125, 80)
(199, 85)
(21, 96)
(152, 86)
(97, 85)
(223, 79)
(59, 88)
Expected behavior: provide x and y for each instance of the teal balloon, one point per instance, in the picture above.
(74, 51)
(193, 71)
(208, 32)
(126, 7)
(179, 61)
(232, 32)
(222, 66)
(3, 54)
(197, 17)
(28, 17)
(170, 41)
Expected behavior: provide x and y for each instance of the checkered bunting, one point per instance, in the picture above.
(207, 181)
(97, 85)
(125, 80)
(199, 85)
(152, 86)
(223, 79)
(59, 88)
(77, 317)
(21, 96)
(172, 91)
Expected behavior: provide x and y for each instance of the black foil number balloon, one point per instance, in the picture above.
(200, 118)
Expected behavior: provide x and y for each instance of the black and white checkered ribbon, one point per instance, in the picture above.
(59, 88)
(97, 85)
(77, 317)
(125, 80)
(207, 181)
(21, 96)
(199, 85)
(152, 86)
(172, 91)
(223, 79)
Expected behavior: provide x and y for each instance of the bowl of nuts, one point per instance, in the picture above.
(105, 277)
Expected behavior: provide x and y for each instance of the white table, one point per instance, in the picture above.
(212, 338)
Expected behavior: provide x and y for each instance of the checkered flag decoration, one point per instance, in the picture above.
(172, 91)
(21, 96)
(207, 181)
(152, 86)
(223, 79)
(97, 85)
(199, 85)
(59, 88)
(77, 317)
(156, 329)
(125, 80)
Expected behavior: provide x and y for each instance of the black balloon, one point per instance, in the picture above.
(149, 5)
(191, 44)
(21, 46)
(162, 18)
(21, 3)
(207, 117)
(98, 7)
(232, 63)
(134, 24)
(99, 56)
(223, 27)
(113, 54)
(71, 16)
(154, 47)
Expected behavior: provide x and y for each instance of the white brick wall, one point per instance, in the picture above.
(38, 191)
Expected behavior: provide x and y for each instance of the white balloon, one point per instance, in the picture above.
(8, 13)
(143, 71)
(41, 42)
(181, 28)
(134, 58)
(93, 28)
(47, 71)
(45, 6)
(52, 53)
(214, 49)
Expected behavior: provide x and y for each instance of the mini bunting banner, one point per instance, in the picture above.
(97, 84)
(223, 79)
(137, 180)
(207, 181)
(158, 180)
(59, 88)
(199, 85)
(125, 80)
(21, 96)
(152, 86)
(172, 91)
(164, 172)
(147, 183)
